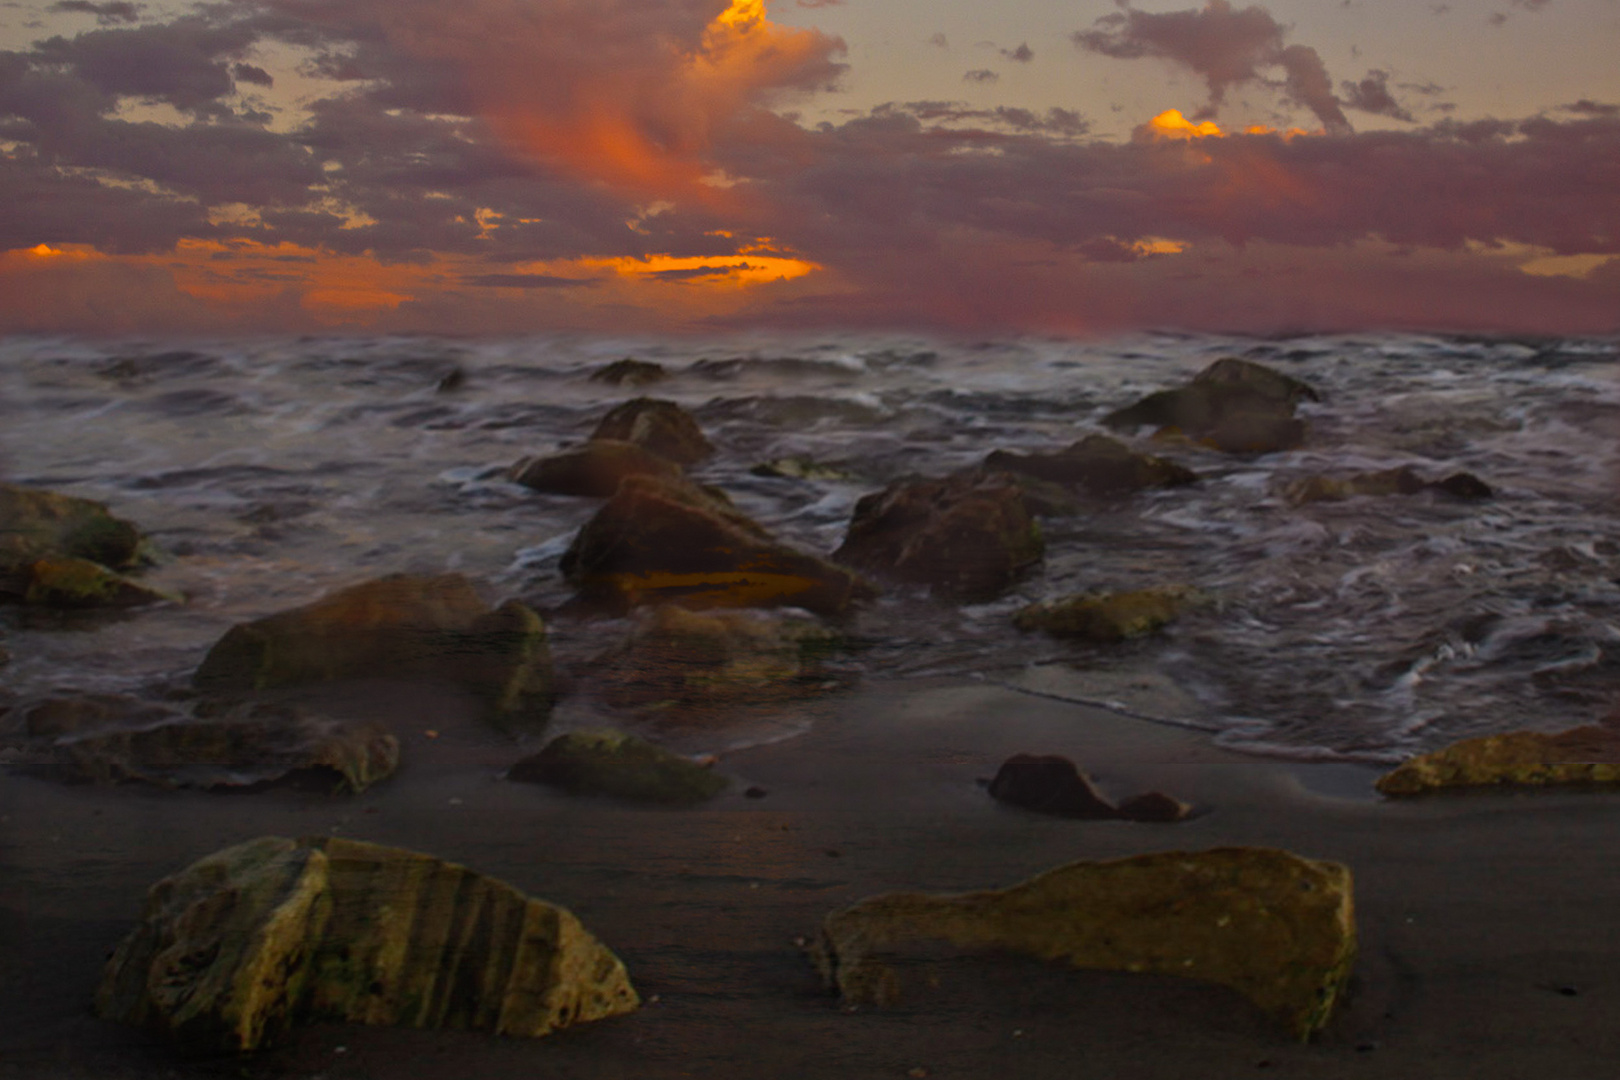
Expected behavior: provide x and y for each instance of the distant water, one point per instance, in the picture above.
(271, 471)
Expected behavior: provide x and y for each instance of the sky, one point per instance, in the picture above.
(672, 166)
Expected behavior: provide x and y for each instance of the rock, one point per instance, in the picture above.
(1463, 485)
(679, 660)
(1108, 617)
(611, 763)
(403, 625)
(1397, 481)
(629, 370)
(1097, 465)
(596, 468)
(662, 427)
(1154, 807)
(800, 468)
(70, 582)
(113, 738)
(1049, 784)
(968, 536)
(1580, 756)
(1277, 928)
(273, 932)
(1233, 405)
(659, 542)
(451, 381)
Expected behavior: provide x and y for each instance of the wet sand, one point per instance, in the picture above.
(1490, 947)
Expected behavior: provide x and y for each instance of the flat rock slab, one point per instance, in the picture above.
(1277, 928)
(272, 932)
(1581, 756)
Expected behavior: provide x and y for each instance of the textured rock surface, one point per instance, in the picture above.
(1583, 755)
(594, 469)
(70, 582)
(662, 427)
(968, 536)
(402, 625)
(272, 932)
(1233, 405)
(1097, 465)
(684, 660)
(624, 766)
(112, 738)
(1277, 928)
(1107, 617)
(59, 550)
(660, 542)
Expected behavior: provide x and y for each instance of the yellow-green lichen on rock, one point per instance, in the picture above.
(71, 582)
(272, 932)
(1581, 756)
(1277, 928)
(1106, 617)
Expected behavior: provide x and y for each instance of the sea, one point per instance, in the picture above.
(270, 471)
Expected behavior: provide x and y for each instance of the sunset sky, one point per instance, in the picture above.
(500, 166)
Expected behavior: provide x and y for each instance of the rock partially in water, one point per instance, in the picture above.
(594, 469)
(1583, 756)
(691, 663)
(1277, 928)
(1402, 480)
(1051, 784)
(629, 371)
(1233, 405)
(80, 583)
(620, 765)
(1463, 485)
(114, 738)
(801, 468)
(662, 427)
(57, 549)
(1097, 465)
(244, 943)
(404, 626)
(658, 542)
(967, 536)
(1108, 617)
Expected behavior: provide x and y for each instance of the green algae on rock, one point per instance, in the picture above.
(400, 625)
(1108, 617)
(1277, 928)
(620, 765)
(1587, 755)
(273, 932)
(72, 582)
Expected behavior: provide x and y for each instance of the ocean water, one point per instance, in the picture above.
(271, 471)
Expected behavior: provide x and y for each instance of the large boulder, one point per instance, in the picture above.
(1583, 756)
(594, 468)
(688, 662)
(620, 765)
(114, 738)
(1233, 405)
(1108, 616)
(1096, 465)
(273, 932)
(403, 626)
(660, 542)
(1052, 784)
(968, 536)
(1277, 928)
(662, 427)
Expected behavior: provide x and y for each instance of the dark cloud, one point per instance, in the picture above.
(1588, 107)
(981, 75)
(183, 63)
(249, 74)
(528, 281)
(1371, 95)
(1021, 55)
(108, 14)
(1226, 46)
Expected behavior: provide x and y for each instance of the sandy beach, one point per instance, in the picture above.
(1488, 946)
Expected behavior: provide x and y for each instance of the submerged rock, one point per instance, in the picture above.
(684, 661)
(1233, 405)
(623, 766)
(596, 468)
(1402, 480)
(1277, 928)
(273, 932)
(1096, 465)
(662, 427)
(403, 625)
(629, 370)
(113, 738)
(1108, 617)
(1587, 755)
(967, 536)
(1051, 784)
(660, 542)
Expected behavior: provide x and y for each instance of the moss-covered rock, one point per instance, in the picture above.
(74, 583)
(595, 468)
(623, 766)
(403, 625)
(967, 536)
(801, 468)
(63, 551)
(247, 941)
(1108, 617)
(662, 427)
(1580, 756)
(1097, 465)
(657, 542)
(1277, 928)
